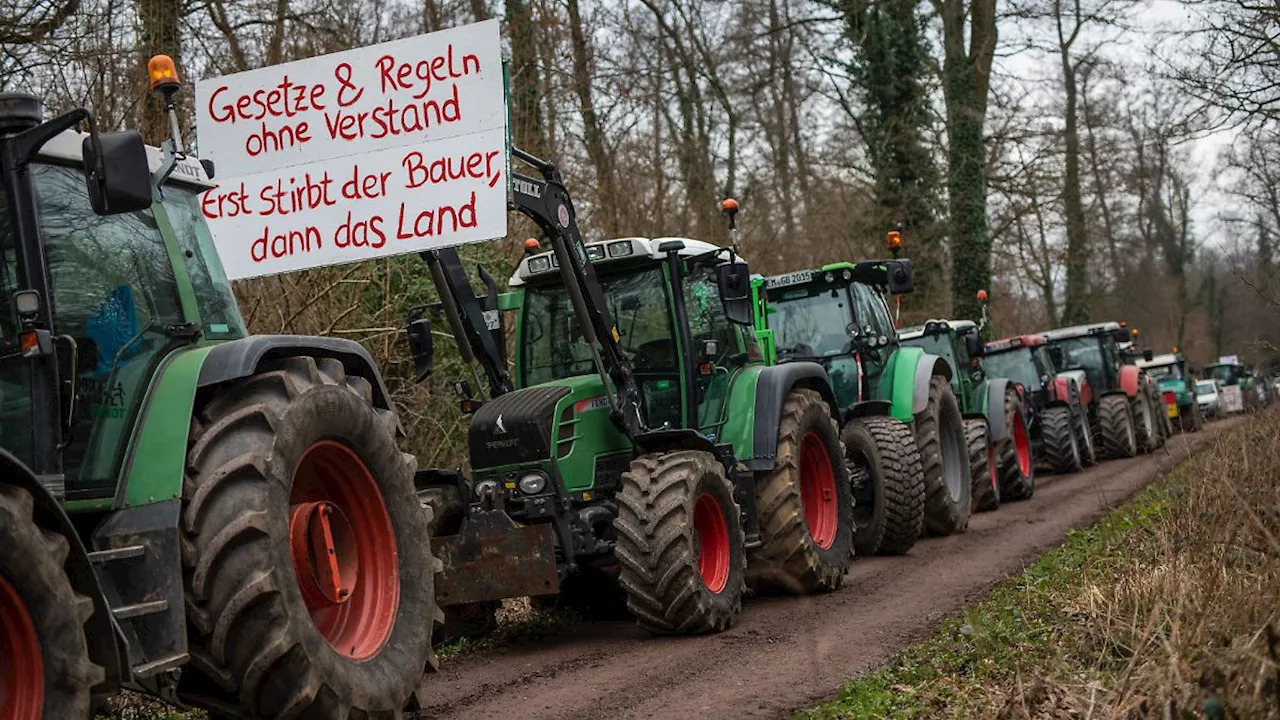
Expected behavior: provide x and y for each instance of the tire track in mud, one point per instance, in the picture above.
(784, 653)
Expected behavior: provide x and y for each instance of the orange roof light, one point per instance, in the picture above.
(163, 73)
(729, 205)
(532, 245)
(982, 296)
(894, 240)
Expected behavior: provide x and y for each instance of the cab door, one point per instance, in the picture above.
(718, 348)
(877, 336)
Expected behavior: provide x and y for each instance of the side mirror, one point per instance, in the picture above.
(734, 283)
(419, 332)
(1147, 354)
(900, 279)
(973, 344)
(119, 179)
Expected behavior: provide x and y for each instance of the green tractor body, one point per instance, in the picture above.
(1177, 388)
(638, 376)
(179, 470)
(1239, 388)
(1002, 465)
(836, 315)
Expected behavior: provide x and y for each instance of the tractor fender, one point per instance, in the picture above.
(994, 407)
(866, 409)
(241, 358)
(1131, 380)
(104, 636)
(926, 367)
(771, 392)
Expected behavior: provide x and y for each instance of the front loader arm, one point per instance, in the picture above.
(466, 316)
(546, 201)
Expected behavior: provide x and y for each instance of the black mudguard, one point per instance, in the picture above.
(105, 639)
(241, 358)
(867, 408)
(926, 368)
(771, 392)
(996, 388)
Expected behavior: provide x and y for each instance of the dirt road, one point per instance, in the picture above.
(784, 654)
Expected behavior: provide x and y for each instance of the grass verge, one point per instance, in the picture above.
(1168, 608)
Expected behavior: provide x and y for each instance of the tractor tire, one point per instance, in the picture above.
(1146, 424)
(469, 621)
(45, 671)
(805, 504)
(1061, 441)
(1085, 438)
(1116, 427)
(985, 492)
(887, 482)
(1016, 463)
(681, 550)
(939, 431)
(285, 466)
(1189, 421)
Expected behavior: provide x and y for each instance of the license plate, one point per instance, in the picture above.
(795, 278)
(1172, 410)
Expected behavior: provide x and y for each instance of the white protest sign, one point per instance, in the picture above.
(388, 149)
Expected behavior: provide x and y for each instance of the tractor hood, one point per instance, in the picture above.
(515, 428)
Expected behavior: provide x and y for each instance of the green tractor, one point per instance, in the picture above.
(216, 519)
(1239, 387)
(643, 447)
(995, 413)
(1177, 387)
(902, 427)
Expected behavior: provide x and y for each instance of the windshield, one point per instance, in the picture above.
(1017, 365)
(936, 344)
(1165, 372)
(811, 321)
(1084, 353)
(1225, 374)
(553, 346)
(219, 315)
(1205, 387)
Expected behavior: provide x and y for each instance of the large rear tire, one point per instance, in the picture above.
(887, 482)
(1061, 440)
(1146, 424)
(982, 465)
(805, 504)
(310, 580)
(681, 550)
(1116, 426)
(1016, 461)
(45, 671)
(939, 430)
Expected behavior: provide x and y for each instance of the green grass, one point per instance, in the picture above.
(1121, 618)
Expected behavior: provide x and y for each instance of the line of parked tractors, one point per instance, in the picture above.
(228, 521)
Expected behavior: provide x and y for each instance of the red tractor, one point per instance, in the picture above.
(1058, 422)
(1124, 408)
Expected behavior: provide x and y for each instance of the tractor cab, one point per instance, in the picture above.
(1025, 360)
(1095, 349)
(837, 315)
(117, 293)
(1174, 381)
(959, 342)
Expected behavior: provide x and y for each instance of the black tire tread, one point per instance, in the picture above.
(1116, 427)
(1014, 485)
(788, 559)
(903, 479)
(942, 516)
(1061, 446)
(657, 547)
(977, 439)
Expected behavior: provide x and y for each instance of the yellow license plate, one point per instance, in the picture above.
(1172, 410)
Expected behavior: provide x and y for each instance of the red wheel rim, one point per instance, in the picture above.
(344, 550)
(713, 542)
(1022, 445)
(22, 668)
(818, 491)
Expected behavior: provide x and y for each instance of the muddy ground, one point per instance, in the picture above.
(785, 654)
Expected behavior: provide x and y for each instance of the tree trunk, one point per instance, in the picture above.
(527, 130)
(607, 201)
(1075, 308)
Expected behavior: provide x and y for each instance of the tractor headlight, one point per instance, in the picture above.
(595, 253)
(533, 483)
(539, 264)
(622, 248)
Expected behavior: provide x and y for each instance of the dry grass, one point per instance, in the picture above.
(1170, 608)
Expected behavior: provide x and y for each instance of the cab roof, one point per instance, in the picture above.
(1012, 343)
(1076, 331)
(604, 252)
(66, 147)
(933, 327)
(1159, 360)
